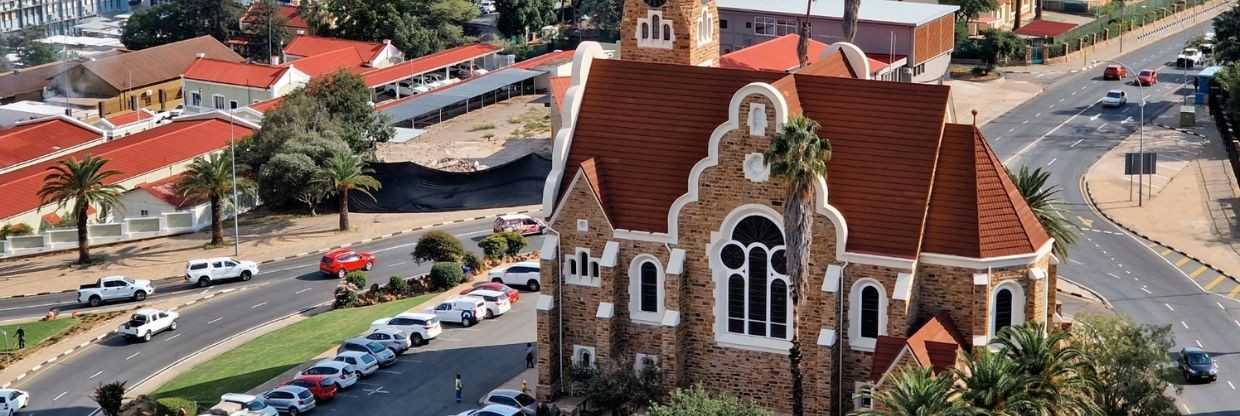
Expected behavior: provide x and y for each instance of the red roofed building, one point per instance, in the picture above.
(438, 61)
(155, 198)
(33, 141)
(212, 84)
(121, 124)
(347, 59)
(667, 241)
(374, 54)
(1039, 28)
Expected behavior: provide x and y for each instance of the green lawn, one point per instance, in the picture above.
(36, 332)
(269, 355)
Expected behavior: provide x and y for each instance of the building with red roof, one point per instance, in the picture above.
(471, 55)
(291, 15)
(122, 124)
(212, 84)
(32, 141)
(780, 54)
(374, 54)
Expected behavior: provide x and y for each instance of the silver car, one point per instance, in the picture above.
(394, 339)
(513, 398)
(364, 362)
(293, 400)
(386, 356)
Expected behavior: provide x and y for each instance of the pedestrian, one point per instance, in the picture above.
(21, 338)
(525, 387)
(459, 388)
(529, 355)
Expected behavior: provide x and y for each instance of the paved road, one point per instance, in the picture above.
(283, 288)
(1065, 131)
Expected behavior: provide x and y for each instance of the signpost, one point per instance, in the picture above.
(1139, 164)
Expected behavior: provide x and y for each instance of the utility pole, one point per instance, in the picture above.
(232, 153)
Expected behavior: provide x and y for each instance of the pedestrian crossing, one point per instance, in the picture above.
(1210, 279)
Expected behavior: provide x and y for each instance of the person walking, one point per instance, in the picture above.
(529, 355)
(21, 338)
(459, 387)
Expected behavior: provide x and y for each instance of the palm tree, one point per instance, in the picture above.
(990, 384)
(82, 184)
(914, 391)
(211, 178)
(851, 7)
(1057, 376)
(799, 156)
(346, 172)
(1043, 199)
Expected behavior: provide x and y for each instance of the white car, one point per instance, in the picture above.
(363, 362)
(145, 323)
(465, 310)
(393, 339)
(1114, 98)
(511, 398)
(493, 410)
(13, 400)
(203, 272)
(497, 302)
(114, 288)
(1188, 58)
(293, 400)
(421, 327)
(234, 404)
(341, 374)
(525, 273)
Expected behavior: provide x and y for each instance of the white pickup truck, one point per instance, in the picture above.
(145, 323)
(114, 288)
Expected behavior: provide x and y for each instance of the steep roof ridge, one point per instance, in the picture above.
(934, 171)
(1028, 221)
(788, 87)
(589, 170)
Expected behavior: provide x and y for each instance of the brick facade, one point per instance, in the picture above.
(684, 16)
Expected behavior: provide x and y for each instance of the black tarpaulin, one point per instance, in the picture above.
(410, 187)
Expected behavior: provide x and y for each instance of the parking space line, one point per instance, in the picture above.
(1215, 282)
(1198, 272)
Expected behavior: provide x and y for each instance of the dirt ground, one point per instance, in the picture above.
(477, 140)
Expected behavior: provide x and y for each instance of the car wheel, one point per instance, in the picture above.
(139, 296)
(341, 273)
(147, 337)
(417, 339)
(95, 301)
(368, 266)
(490, 315)
(204, 281)
(246, 275)
(533, 285)
(292, 411)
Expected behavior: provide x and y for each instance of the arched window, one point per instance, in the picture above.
(779, 309)
(1003, 309)
(757, 296)
(649, 287)
(572, 267)
(585, 262)
(736, 304)
(654, 21)
(594, 269)
(869, 312)
(645, 31)
(667, 32)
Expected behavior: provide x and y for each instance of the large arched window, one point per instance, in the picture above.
(1003, 309)
(645, 31)
(649, 293)
(869, 312)
(757, 295)
(1007, 306)
(646, 290)
(654, 21)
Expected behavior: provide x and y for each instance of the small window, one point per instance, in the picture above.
(594, 269)
(1003, 309)
(869, 312)
(649, 287)
(723, 23)
(232, 104)
(198, 266)
(667, 32)
(144, 213)
(585, 261)
(229, 264)
(645, 31)
(572, 267)
(219, 102)
(195, 98)
(654, 21)
(218, 264)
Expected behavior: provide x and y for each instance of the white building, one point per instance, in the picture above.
(58, 15)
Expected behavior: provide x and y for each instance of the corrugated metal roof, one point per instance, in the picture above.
(902, 12)
(411, 107)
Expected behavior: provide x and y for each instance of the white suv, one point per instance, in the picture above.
(525, 273)
(465, 310)
(203, 272)
(420, 327)
(497, 302)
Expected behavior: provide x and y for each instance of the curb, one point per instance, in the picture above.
(308, 253)
(1181, 130)
(1095, 294)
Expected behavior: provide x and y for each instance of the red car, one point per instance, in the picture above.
(1147, 77)
(341, 261)
(321, 386)
(1115, 72)
(513, 294)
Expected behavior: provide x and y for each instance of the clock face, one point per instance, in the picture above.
(655, 3)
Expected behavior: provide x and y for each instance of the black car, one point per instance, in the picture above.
(1197, 365)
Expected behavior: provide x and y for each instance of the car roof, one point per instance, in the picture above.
(415, 315)
(511, 217)
(385, 331)
(504, 392)
(147, 310)
(357, 354)
(1192, 349)
(469, 299)
(330, 363)
(238, 397)
(501, 409)
(339, 251)
(1119, 91)
(112, 277)
(290, 389)
(525, 264)
(359, 340)
(486, 292)
(1113, 66)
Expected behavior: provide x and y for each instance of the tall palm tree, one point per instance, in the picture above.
(851, 8)
(800, 157)
(345, 172)
(211, 178)
(81, 183)
(914, 391)
(1057, 375)
(1044, 200)
(990, 384)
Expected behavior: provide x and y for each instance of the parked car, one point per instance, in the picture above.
(1115, 98)
(341, 261)
(12, 401)
(496, 302)
(365, 363)
(293, 400)
(513, 294)
(493, 410)
(393, 339)
(463, 310)
(512, 398)
(321, 386)
(520, 223)
(1207, 49)
(205, 271)
(385, 356)
(235, 404)
(1115, 72)
(1188, 58)
(114, 288)
(341, 374)
(421, 327)
(524, 273)
(1197, 365)
(145, 323)
(1147, 77)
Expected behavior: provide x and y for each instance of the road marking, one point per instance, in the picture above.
(1052, 131)
(1126, 120)
(301, 291)
(1061, 100)
(259, 305)
(131, 356)
(1011, 129)
(1168, 305)
(1025, 122)
(1083, 88)
(1182, 262)
(214, 320)
(1236, 321)
(1185, 324)
(96, 374)
(62, 394)
(1074, 261)
(1215, 282)
(1220, 305)
(391, 372)
(1078, 141)
(1074, 92)
(31, 306)
(1112, 275)
(1095, 117)
(1198, 342)
(1165, 252)
(1198, 272)
(1050, 106)
(376, 390)
(1052, 162)
(1037, 115)
(1147, 291)
(172, 337)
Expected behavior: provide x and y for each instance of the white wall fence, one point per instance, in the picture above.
(168, 223)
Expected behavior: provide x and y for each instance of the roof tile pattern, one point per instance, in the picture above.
(128, 117)
(33, 140)
(935, 345)
(347, 59)
(427, 63)
(157, 64)
(165, 190)
(234, 73)
(305, 45)
(780, 54)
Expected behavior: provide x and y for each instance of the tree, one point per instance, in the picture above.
(970, 9)
(267, 31)
(604, 14)
(519, 17)
(851, 7)
(438, 246)
(1227, 33)
(110, 397)
(342, 174)
(211, 178)
(32, 52)
(803, 35)
(81, 184)
(416, 27)
(1019, 5)
(990, 384)
(1127, 361)
(697, 401)
(345, 96)
(515, 242)
(1056, 372)
(998, 46)
(800, 157)
(1043, 199)
(913, 391)
(179, 20)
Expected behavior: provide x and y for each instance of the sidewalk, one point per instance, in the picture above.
(263, 237)
(991, 99)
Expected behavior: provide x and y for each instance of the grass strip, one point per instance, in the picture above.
(36, 332)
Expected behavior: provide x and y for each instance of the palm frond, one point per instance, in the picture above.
(1043, 200)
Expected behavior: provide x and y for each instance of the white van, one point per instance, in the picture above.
(464, 310)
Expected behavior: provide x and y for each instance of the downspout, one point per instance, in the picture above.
(839, 340)
(559, 310)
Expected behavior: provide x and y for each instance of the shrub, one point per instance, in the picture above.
(516, 242)
(110, 397)
(169, 406)
(15, 230)
(494, 246)
(446, 274)
(438, 246)
(471, 262)
(344, 297)
(696, 401)
(398, 286)
(356, 278)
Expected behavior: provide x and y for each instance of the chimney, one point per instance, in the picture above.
(275, 59)
(201, 55)
(387, 41)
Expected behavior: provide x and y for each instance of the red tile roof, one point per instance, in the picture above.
(934, 345)
(128, 117)
(976, 211)
(559, 86)
(325, 63)
(1044, 28)
(427, 63)
(34, 139)
(165, 190)
(306, 46)
(780, 54)
(263, 106)
(132, 156)
(291, 14)
(234, 73)
(551, 58)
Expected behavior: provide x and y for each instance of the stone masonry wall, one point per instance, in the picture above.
(683, 15)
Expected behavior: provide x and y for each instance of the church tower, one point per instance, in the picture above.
(670, 31)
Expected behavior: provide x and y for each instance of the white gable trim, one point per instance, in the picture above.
(582, 59)
(989, 262)
(857, 60)
(877, 260)
(579, 176)
(222, 115)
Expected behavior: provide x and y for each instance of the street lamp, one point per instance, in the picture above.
(1140, 132)
(232, 153)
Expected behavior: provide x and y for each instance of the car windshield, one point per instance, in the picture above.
(320, 371)
(305, 394)
(1115, 94)
(1190, 51)
(256, 405)
(302, 383)
(1147, 73)
(374, 347)
(525, 399)
(1198, 358)
(137, 320)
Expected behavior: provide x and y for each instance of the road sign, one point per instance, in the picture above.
(1134, 164)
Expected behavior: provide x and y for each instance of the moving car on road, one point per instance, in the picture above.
(1147, 77)
(341, 261)
(13, 400)
(518, 274)
(364, 362)
(513, 294)
(1189, 58)
(421, 327)
(113, 288)
(145, 323)
(511, 398)
(1114, 98)
(321, 386)
(463, 310)
(520, 223)
(1197, 365)
(341, 374)
(205, 271)
(1115, 72)
(385, 356)
(293, 400)
(393, 339)
(234, 404)
(496, 302)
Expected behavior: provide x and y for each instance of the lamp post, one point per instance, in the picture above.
(1140, 133)
(232, 153)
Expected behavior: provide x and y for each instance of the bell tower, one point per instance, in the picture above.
(670, 31)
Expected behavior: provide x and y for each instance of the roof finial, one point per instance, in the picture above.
(974, 117)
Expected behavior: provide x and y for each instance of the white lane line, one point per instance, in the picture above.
(1052, 162)
(1100, 127)
(302, 291)
(1220, 305)
(215, 320)
(96, 374)
(1025, 122)
(1052, 131)
(1061, 100)
(1236, 321)
(63, 393)
(1095, 117)
(1199, 343)
(1168, 305)
(1011, 129)
(259, 305)
(172, 337)
(1185, 325)
(1050, 106)
(131, 356)
(1037, 115)
(1074, 92)
(1083, 88)
(1147, 291)
(1078, 141)
(1113, 275)
(30, 306)
(1233, 386)
(1126, 120)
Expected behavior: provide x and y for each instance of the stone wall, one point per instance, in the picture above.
(683, 15)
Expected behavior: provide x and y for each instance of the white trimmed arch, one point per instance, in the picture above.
(635, 288)
(1017, 307)
(855, 340)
